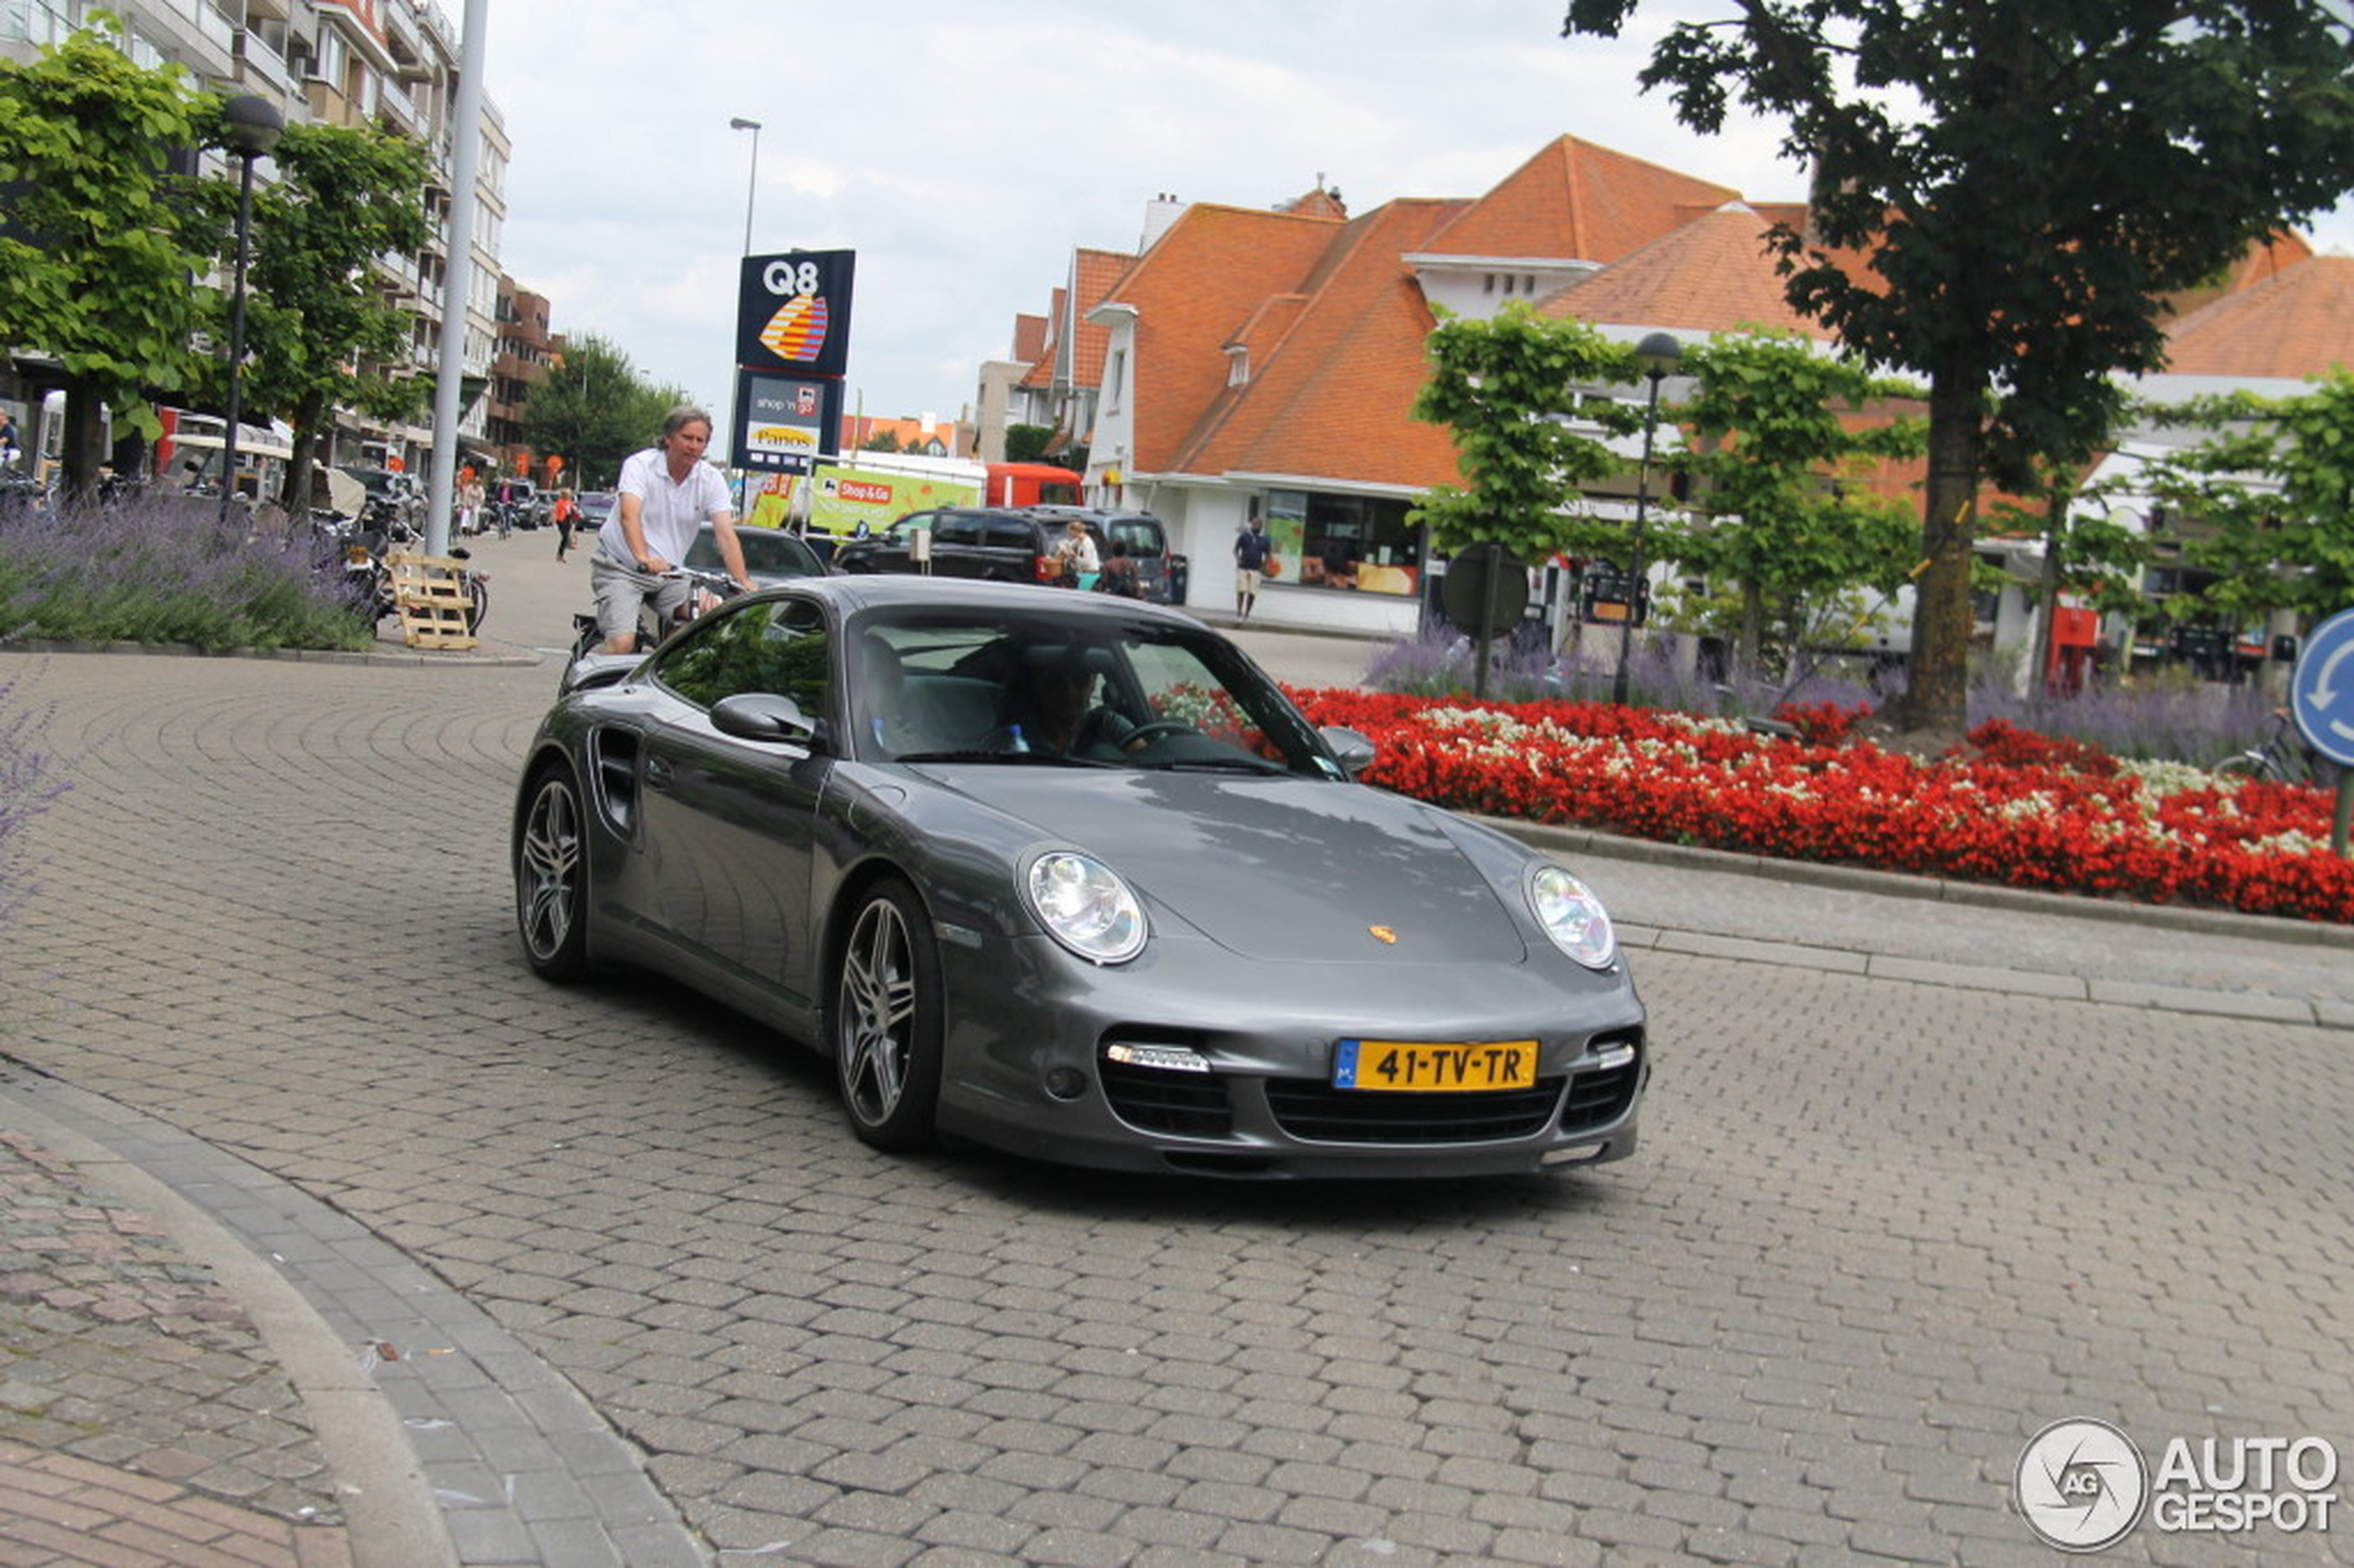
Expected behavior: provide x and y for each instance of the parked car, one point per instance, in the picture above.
(1008, 544)
(595, 507)
(1068, 876)
(771, 556)
(999, 544)
(1146, 540)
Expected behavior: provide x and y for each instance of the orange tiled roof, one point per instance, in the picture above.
(1029, 338)
(1335, 398)
(2265, 259)
(1576, 200)
(2299, 323)
(1714, 274)
(1096, 271)
(1042, 368)
(1200, 284)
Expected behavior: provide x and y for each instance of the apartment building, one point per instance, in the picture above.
(392, 63)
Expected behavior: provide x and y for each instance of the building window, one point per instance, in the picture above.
(1350, 543)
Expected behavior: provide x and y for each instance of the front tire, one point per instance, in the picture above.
(886, 1022)
(551, 877)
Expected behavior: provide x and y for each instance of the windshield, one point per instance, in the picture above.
(1041, 688)
(767, 553)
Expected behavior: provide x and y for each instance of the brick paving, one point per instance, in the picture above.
(1899, 1204)
(142, 1419)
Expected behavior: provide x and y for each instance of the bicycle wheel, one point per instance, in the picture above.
(2249, 764)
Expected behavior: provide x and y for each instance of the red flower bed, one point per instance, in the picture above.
(2015, 807)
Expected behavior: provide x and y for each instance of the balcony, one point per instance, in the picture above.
(411, 60)
(260, 69)
(328, 106)
(397, 113)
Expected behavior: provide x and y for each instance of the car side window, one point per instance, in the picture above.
(1011, 535)
(780, 647)
(955, 531)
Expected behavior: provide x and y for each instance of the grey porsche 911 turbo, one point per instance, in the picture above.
(1068, 877)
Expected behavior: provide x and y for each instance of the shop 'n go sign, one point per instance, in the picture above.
(792, 312)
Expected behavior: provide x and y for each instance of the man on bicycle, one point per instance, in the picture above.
(667, 491)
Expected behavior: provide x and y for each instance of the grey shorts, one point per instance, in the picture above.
(620, 590)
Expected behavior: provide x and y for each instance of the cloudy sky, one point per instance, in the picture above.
(963, 151)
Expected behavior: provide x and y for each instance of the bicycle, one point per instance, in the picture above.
(2283, 758)
(709, 590)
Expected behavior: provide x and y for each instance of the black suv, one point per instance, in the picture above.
(1008, 544)
(1146, 540)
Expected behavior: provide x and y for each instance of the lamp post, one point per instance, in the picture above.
(752, 184)
(250, 127)
(1658, 355)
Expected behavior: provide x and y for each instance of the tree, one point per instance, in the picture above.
(2268, 502)
(1027, 443)
(881, 441)
(100, 239)
(1779, 433)
(2025, 180)
(325, 338)
(1507, 387)
(592, 409)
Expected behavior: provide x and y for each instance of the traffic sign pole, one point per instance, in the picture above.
(2322, 700)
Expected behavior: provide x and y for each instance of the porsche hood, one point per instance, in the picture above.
(1290, 870)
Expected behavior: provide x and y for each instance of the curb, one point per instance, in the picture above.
(2254, 1006)
(513, 656)
(450, 1442)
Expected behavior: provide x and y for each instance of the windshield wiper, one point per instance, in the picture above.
(1048, 758)
(1216, 765)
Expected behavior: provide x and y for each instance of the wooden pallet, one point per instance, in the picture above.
(430, 592)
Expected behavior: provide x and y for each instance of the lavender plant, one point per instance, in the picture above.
(160, 568)
(2170, 717)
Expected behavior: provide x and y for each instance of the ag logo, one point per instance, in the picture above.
(2081, 1485)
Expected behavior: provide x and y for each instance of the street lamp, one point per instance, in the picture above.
(753, 183)
(1658, 355)
(250, 127)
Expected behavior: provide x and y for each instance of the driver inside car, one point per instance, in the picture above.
(1053, 709)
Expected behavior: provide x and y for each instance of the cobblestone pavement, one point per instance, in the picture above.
(1883, 1227)
(139, 1407)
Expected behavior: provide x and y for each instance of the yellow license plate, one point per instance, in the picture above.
(1428, 1066)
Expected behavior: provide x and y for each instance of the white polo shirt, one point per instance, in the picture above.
(670, 512)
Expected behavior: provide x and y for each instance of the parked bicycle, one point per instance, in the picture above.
(2283, 758)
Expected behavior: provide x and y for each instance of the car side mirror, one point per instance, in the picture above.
(1351, 748)
(765, 717)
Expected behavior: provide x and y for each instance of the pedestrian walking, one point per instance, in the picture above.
(470, 500)
(564, 514)
(1250, 565)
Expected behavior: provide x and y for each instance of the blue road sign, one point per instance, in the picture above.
(2321, 689)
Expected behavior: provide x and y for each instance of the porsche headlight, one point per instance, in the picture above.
(1084, 906)
(1573, 916)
